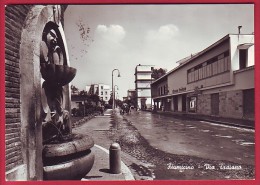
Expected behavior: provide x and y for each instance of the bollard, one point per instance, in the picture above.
(115, 158)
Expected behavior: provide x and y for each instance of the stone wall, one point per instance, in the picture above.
(203, 104)
(14, 20)
(22, 133)
(231, 104)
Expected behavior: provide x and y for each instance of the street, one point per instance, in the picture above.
(196, 138)
(163, 147)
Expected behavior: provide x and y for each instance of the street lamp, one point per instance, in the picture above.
(113, 92)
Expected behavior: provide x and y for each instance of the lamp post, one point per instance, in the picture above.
(113, 91)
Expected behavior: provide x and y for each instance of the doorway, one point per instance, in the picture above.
(215, 104)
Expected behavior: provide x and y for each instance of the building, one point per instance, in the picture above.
(131, 97)
(143, 80)
(131, 93)
(218, 81)
(102, 90)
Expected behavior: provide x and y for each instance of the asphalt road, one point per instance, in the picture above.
(195, 138)
(164, 148)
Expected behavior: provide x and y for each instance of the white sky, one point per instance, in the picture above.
(123, 36)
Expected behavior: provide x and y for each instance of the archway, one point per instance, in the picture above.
(31, 105)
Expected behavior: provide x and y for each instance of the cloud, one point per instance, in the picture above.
(112, 33)
(164, 33)
(160, 45)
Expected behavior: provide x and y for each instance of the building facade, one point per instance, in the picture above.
(131, 97)
(102, 90)
(143, 79)
(218, 81)
(131, 93)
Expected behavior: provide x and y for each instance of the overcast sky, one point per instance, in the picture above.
(101, 38)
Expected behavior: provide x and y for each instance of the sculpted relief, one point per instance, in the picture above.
(56, 74)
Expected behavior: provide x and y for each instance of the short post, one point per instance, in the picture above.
(115, 158)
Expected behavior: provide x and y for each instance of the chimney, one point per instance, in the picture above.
(239, 28)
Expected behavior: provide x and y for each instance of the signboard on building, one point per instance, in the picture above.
(181, 89)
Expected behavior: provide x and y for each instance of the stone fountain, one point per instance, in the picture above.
(66, 156)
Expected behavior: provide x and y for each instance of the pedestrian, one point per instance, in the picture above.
(102, 109)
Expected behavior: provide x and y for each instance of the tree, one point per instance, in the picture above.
(157, 73)
(94, 98)
(74, 89)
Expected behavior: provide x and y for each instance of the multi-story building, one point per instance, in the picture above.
(102, 90)
(131, 97)
(131, 93)
(218, 81)
(143, 79)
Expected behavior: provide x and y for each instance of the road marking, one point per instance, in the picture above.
(223, 136)
(204, 130)
(192, 127)
(227, 126)
(246, 143)
(125, 170)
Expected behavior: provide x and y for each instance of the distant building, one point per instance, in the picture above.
(131, 97)
(218, 81)
(143, 80)
(131, 93)
(102, 90)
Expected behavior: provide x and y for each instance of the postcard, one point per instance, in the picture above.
(128, 92)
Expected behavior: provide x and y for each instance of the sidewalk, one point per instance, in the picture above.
(100, 170)
(249, 124)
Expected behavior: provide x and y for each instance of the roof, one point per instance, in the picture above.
(188, 59)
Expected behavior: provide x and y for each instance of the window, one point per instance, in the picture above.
(200, 73)
(226, 64)
(243, 58)
(101, 92)
(101, 86)
(105, 92)
(211, 67)
(196, 77)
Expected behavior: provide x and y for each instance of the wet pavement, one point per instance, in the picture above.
(195, 138)
(164, 148)
(184, 149)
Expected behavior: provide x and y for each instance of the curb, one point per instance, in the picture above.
(229, 124)
(125, 170)
(209, 120)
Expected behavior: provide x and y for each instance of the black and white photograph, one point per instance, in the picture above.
(129, 92)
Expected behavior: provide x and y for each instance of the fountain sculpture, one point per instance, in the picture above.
(66, 156)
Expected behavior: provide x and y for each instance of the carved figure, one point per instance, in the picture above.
(57, 120)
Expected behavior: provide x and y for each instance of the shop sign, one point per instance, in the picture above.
(181, 89)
